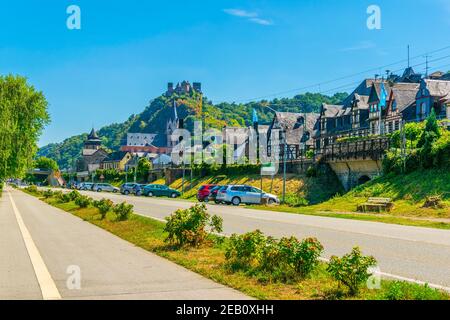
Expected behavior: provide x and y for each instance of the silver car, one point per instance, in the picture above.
(99, 187)
(237, 194)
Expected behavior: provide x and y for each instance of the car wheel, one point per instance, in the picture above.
(271, 201)
(126, 192)
(236, 201)
(216, 202)
(139, 193)
(99, 190)
(150, 194)
(173, 195)
(114, 191)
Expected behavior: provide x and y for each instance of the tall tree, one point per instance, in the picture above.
(45, 163)
(23, 115)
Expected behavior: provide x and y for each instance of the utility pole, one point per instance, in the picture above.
(403, 146)
(408, 57)
(426, 66)
(284, 167)
(135, 166)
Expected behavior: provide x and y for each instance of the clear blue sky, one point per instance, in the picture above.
(126, 51)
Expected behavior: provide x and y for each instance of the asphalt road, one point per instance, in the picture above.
(46, 253)
(413, 253)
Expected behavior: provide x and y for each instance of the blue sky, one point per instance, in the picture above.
(126, 51)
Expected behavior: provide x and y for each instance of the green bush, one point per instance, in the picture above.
(123, 211)
(243, 252)
(279, 260)
(65, 197)
(399, 290)
(303, 255)
(311, 172)
(294, 200)
(32, 189)
(188, 227)
(73, 195)
(48, 193)
(351, 270)
(83, 201)
(103, 206)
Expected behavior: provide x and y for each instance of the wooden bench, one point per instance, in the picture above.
(376, 204)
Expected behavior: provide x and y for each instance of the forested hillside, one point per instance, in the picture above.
(154, 118)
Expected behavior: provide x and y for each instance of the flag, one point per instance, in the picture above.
(383, 96)
(255, 116)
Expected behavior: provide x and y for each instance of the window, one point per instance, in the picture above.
(397, 125)
(394, 106)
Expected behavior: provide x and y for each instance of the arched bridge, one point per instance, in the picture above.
(355, 162)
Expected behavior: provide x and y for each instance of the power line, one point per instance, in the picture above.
(345, 77)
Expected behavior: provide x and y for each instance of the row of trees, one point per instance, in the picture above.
(23, 115)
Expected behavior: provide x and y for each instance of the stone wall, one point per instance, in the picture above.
(351, 173)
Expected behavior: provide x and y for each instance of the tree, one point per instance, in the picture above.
(429, 136)
(23, 115)
(45, 163)
(144, 167)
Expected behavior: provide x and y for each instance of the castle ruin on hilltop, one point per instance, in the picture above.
(184, 88)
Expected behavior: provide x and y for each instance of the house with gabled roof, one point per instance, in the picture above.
(296, 131)
(432, 94)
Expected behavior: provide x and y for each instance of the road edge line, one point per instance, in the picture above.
(47, 285)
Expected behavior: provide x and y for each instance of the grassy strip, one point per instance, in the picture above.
(383, 217)
(209, 261)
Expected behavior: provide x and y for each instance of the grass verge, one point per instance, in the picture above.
(209, 261)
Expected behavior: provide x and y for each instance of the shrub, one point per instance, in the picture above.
(294, 200)
(32, 189)
(83, 201)
(302, 255)
(73, 195)
(123, 211)
(188, 227)
(310, 154)
(351, 270)
(48, 193)
(57, 194)
(280, 260)
(244, 251)
(103, 206)
(65, 197)
(311, 172)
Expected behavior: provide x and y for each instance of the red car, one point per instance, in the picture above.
(203, 191)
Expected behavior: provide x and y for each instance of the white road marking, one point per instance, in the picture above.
(48, 288)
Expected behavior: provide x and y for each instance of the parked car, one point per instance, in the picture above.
(131, 188)
(86, 186)
(99, 187)
(237, 194)
(159, 190)
(204, 191)
(213, 194)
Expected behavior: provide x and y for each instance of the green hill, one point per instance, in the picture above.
(154, 118)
